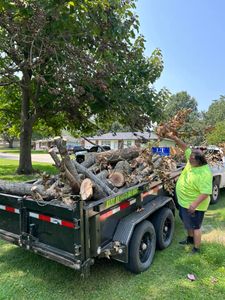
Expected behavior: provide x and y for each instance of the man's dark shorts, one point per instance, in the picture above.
(191, 221)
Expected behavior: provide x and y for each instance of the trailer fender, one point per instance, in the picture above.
(126, 225)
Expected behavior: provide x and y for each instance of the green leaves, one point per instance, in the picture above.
(82, 60)
(217, 135)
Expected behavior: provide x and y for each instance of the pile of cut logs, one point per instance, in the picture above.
(100, 175)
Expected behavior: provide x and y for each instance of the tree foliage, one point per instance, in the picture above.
(217, 135)
(193, 130)
(216, 111)
(80, 63)
(9, 114)
(179, 101)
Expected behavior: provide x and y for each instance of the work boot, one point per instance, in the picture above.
(189, 240)
(195, 250)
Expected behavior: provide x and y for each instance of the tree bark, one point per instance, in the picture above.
(94, 178)
(69, 168)
(17, 188)
(114, 156)
(10, 141)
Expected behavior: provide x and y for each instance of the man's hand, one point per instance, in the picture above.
(192, 208)
(195, 204)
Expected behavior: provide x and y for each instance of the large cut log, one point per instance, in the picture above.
(26, 189)
(90, 160)
(86, 189)
(124, 167)
(117, 179)
(94, 178)
(119, 174)
(114, 156)
(66, 164)
(16, 188)
(55, 158)
(90, 191)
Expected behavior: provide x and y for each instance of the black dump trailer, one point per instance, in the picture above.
(128, 227)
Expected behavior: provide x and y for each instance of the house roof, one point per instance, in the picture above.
(125, 136)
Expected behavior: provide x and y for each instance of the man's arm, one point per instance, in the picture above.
(179, 142)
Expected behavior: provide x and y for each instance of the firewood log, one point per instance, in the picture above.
(90, 160)
(66, 164)
(117, 179)
(94, 178)
(114, 156)
(17, 188)
(86, 189)
(90, 191)
(55, 158)
(123, 166)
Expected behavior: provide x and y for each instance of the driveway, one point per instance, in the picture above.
(35, 157)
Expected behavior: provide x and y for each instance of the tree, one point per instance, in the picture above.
(217, 135)
(9, 114)
(179, 101)
(216, 112)
(79, 60)
(193, 130)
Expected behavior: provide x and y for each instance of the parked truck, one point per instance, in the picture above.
(127, 226)
(218, 182)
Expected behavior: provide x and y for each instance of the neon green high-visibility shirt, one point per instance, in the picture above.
(193, 182)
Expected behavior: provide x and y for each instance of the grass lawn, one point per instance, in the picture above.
(25, 275)
(8, 170)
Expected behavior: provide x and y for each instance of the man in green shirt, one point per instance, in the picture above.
(193, 190)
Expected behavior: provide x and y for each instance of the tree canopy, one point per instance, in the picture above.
(9, 114)
(79, 64)
(217, 135)
(216, 111)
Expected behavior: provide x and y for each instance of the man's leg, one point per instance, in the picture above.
(190, 232)
(197, 238)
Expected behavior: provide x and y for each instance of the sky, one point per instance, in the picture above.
(191, 35)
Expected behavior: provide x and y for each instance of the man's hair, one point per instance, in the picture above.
(200, 157)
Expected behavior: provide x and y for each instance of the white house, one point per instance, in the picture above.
(120, 140)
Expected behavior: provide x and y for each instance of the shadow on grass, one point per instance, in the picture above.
(39, 268)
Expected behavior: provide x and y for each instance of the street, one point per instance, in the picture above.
(35, 157)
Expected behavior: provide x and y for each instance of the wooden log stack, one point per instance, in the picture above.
(101, 175)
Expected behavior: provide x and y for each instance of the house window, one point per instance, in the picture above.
(127, 143)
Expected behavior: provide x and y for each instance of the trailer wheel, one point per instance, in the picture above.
(141, 248)
(215, 192)
(163, 222)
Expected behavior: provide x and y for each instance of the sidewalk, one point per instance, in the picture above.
(35, 157)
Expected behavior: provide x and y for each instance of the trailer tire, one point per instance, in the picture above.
(163, 222)
(141, 247)
(214, 198)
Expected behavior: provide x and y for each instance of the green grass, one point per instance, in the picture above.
(8, 170)
(25, 275)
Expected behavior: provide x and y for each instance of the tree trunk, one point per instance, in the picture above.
(27, 120)
(10, 141)
(25, 163)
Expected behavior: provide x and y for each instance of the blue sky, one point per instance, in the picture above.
(191, 35)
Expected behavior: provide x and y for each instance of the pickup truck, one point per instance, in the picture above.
(127, 226)
(218, 181)
(218, 171)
